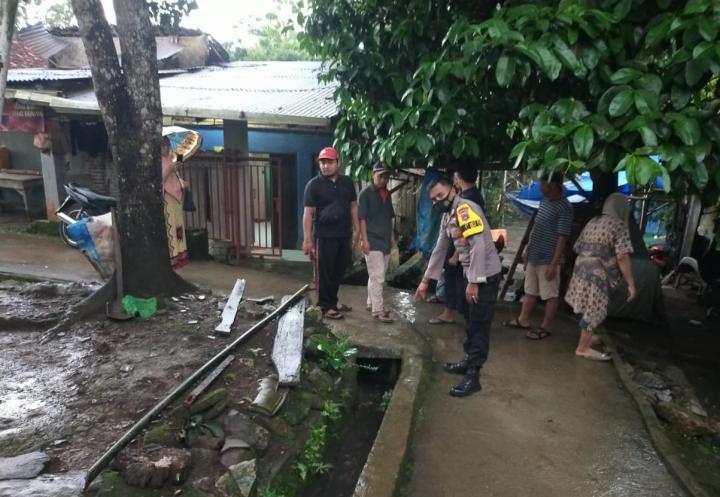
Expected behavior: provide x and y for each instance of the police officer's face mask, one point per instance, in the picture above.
(445, 204)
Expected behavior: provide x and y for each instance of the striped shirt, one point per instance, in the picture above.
(553, 220)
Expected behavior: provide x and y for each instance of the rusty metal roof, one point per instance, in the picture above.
(21, 55)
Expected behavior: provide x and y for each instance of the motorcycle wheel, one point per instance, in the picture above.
(74, 212)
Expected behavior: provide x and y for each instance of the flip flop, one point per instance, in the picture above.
(594, 355)
(538, 333)
(514, 323)
(333, 314)
(440, 321)
(384, 317)
(344, 308)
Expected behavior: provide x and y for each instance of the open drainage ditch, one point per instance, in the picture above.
(376, 379)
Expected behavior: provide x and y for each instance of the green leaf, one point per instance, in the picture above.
(646, 170)
(505, 70)
(408, 95)
(694, 71)
(679, 96)
(442, 96)
(621, 9)
(665, 178)
(659, 31)
(624, 76)
(708, 28)
(696, 6)
(648, 137)
(650, 82)
(583, 140)
(568, 57)
(540, 120)
(621, 103)
(423, 144)
(700, 176)
(549, 64)
(518, 149)
(414, 118)
(646, 102)
(458, 148)
(602, 126)
(552, 131)
(686, 128)
(589, 57)
(702, 48)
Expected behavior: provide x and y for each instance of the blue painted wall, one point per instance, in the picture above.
(304, 145)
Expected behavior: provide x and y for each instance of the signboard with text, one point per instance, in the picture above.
(19, 116)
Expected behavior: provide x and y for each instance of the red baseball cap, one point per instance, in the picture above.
(328, 153)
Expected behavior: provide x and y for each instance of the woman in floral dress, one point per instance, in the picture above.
(603, 257)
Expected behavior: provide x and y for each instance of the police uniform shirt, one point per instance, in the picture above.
(482, 260)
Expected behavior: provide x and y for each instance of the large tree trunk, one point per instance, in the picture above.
(129, 99)
(8, 13)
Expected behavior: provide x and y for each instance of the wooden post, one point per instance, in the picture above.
(518, 256)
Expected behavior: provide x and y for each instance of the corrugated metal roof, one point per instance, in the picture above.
(26, 75)
(40, 41)
(261, 92)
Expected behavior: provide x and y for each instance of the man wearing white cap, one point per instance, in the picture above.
(330, 225)
(376, 215)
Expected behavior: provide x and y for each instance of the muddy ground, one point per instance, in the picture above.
(76, 394)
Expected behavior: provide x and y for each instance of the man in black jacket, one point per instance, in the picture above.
(330, 229)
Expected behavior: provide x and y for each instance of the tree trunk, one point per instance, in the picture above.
(8, 13)
(129, 99)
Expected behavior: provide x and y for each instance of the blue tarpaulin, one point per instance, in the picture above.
(428, 218)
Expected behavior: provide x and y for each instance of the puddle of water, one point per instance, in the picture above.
(404, 306)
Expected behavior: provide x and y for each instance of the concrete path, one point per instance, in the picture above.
(48, 257)
(545, 423)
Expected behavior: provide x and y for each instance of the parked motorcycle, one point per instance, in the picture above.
(80, 203)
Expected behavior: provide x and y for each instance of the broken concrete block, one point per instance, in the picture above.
(244, 474)
(235, 451)
(23, 466)
(686, 422)
(241, 426)
(154, 470)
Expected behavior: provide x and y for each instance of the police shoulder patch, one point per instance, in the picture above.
(470, 222)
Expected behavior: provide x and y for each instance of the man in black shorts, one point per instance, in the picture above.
(330, 229)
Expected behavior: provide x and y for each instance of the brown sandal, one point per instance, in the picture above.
(384, 317)
(333, 314)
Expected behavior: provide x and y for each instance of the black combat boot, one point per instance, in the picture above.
(468, 385)
(456, 367)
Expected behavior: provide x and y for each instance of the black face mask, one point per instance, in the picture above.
(445, 204)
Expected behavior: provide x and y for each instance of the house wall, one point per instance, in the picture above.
(22, 152)
(304, 145)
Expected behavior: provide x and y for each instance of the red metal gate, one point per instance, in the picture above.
(238, 200)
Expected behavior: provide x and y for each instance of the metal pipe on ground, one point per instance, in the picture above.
(105, 459)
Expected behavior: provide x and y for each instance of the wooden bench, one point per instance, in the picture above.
(21, 181)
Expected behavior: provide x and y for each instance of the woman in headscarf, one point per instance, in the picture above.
(173, 201)
(603, 257)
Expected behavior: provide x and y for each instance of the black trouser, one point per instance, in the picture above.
(332, 256)
(478, 318)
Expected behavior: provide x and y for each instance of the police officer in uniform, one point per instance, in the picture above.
(465, 225)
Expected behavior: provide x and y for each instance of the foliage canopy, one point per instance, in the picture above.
(597, 84)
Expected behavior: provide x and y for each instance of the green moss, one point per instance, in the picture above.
(162, 434)
(114, 486)
(43, 227)
(208, 400)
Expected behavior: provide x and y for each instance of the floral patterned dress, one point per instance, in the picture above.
(596, 274)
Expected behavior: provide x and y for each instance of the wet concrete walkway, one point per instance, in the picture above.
(545, 424)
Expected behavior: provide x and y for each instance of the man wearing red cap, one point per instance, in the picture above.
(330, 228)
